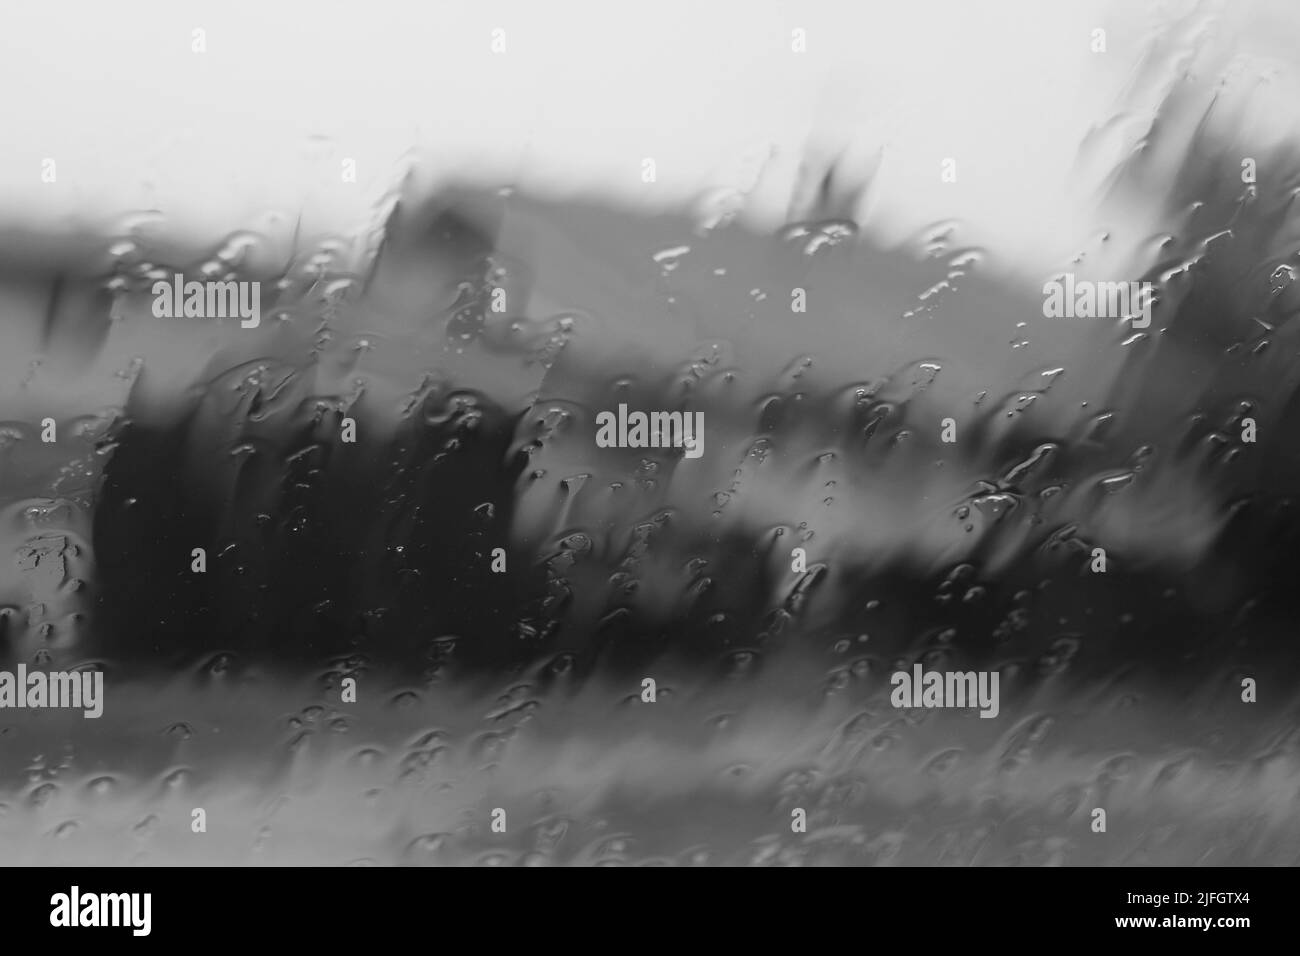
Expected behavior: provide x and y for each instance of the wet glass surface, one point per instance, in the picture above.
(427, 640)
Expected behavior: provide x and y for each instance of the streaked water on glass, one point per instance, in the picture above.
(522, 690)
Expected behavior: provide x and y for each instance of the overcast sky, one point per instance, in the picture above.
(584, 91)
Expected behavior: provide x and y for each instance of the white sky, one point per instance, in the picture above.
(261, 120)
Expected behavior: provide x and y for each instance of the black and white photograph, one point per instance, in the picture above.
(727, 434)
